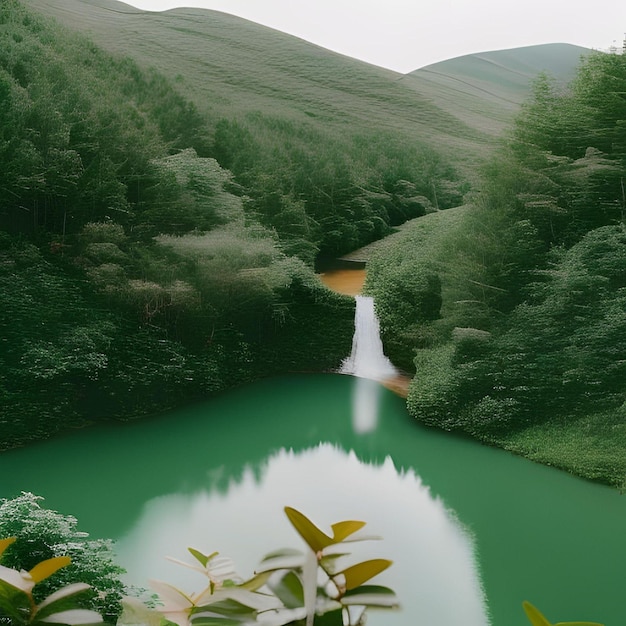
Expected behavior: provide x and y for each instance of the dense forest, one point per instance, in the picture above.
(512, 311)
(148, 255)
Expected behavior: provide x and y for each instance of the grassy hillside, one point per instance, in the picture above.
(229, 67)
(485, 90)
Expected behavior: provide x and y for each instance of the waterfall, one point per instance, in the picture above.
(367, 359)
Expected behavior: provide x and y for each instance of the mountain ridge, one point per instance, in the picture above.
(231, 67)
(486, 89)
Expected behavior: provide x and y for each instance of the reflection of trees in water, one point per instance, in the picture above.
(433, 555)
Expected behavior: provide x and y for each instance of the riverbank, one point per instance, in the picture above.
(588, 441)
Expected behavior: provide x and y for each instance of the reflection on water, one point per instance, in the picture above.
(365, 401)
(434, 571)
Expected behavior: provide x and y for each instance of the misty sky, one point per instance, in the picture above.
(406, 34)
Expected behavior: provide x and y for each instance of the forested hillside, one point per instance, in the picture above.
(135, 273)
(330, 151)
(517, 303)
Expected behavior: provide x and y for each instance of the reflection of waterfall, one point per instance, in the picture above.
(367, 359)
(365, 401)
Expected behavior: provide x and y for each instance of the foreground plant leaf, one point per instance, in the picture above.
(537, 618)
(360, 573)
(5, 543)
(46, 568)
(19, 580)
(203, 558)
(57, 600)
(312, 535)
(14, 603)
(343, 530)
(288, 589)
(371, 595)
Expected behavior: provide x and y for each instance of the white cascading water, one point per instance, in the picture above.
(369, 363)
(367, 359)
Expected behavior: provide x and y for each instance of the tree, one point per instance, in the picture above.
(44, 534)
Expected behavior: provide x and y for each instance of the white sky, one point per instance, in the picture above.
(404, 35)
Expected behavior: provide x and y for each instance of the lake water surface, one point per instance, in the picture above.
(472, 531)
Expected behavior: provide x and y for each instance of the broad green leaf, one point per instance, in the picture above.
(5, 543)
(534, 615)
(58, 600)
(360, 573)
(371, 595)
(256, 582)
(14, 603)
(288, 589)
(73, 617)
(333, 618)
(46, 568)
(313, 536)
(342, 530)
(227, 607)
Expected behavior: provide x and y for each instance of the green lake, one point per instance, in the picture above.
(472, 531)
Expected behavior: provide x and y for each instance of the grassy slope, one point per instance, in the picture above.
(485, 90)
(230, 66)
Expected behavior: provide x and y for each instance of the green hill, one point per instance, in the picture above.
(485, 90)
(229, 67)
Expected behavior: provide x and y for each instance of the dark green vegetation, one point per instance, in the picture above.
(135, 273)
(330, 151)
(521, 336)
(43, 534)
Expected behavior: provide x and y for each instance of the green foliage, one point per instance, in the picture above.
(334, 191)
(529, 340)
(18, 607)
(189, 193)
(289, 587)
(78, 128)
(47, 536)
